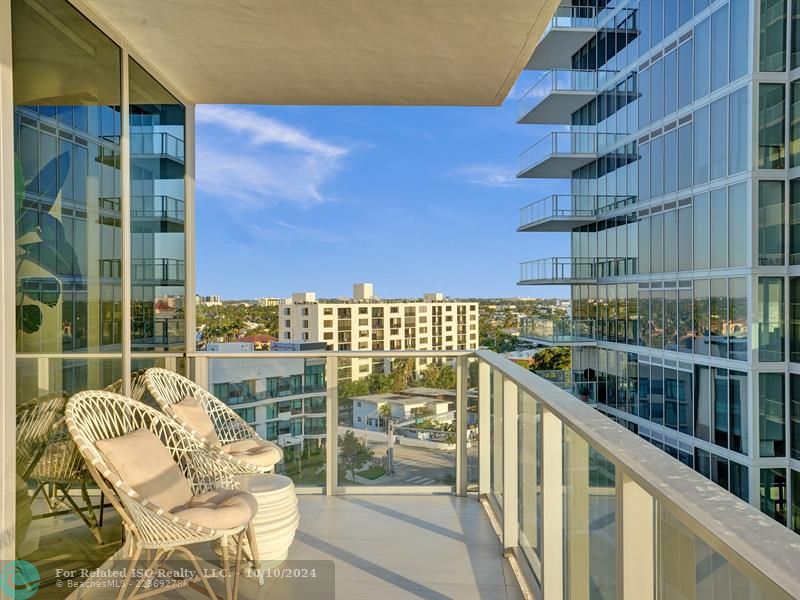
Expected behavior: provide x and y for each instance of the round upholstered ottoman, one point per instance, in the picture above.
(278, 516)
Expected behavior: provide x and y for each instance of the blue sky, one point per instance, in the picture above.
(411, 199)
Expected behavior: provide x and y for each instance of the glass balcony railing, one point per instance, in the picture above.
(581, 502)
(569, 208)
(158, 271)
(157, 207)
(558, 331)
(573, 17)
(563, 270)
(155, 144)
(557, 80)
(566, 144)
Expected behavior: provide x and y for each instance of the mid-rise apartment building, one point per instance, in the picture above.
(282, 399)
(679, 145)
(365, 322)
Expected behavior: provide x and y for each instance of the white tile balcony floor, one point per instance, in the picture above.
(392, 547)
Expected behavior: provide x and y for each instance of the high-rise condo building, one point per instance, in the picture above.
(365, 322)
(676, 130)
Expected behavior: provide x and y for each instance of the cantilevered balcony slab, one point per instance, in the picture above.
(556, 95)
(569, 29)
(563, 213)
(559, 153)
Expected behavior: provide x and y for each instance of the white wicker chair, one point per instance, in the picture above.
(92, 416)
(169, 388)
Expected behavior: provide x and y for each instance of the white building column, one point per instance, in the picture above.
(7, 289)
(552, 506)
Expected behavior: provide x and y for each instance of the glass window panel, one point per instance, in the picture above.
(685, 403)
(737, 225)
(685, 238)
(158, 265)
(794, 222)
(701, 317)
(644, 98)
(530, 477)
(702, 230)
(671, 398)
(670, 81)
(794, 319)
(685, 73)
(737, 325)
(702, 406)
(685, 330)
(657, 21)
(657, 167)
(738, 116)
(771, 146)
(719, 412)
(700, 154)
(719, 138)
(719, 317)
(644, 318)
(719, 229)
(657, 243)
(773, 494)
(644, 245)
(794, 123)
(770, 223)
(794, 416)
(685, 11)
(772, 35)
(702, 58)
(670, 241)
(644, 172)
(771, 417)
(740, 27)
(670, 161)
(685, 157)
(656, 90)
(795, 501)
(656, 319)
(719, 48)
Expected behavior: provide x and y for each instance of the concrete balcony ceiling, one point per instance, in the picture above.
(349, 52)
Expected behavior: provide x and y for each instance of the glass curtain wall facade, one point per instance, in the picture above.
(696, 330)
(100, 264)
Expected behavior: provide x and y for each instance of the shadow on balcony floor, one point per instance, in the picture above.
(392, 548)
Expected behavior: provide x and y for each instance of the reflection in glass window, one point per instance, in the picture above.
(701, 317)
(737, 225)
(685, 156)
(740, 29)
(719, 48)
(772, 36)
(702, 59)
(795, 501)
(770, 223)
(719, 317)
(702, 406)
(738, 116)
(739, 420)
(773, 494)
(719, 138)
(702, 228)
(771, 146)
(794, 123)
(700, 152)
(770, 319)
(771, 417)
(794, 416)
(737, 324)
(794, 319)
(685, 73)
(719, 228)
(685, 330)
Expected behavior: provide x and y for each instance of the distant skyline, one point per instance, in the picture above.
(412, 199)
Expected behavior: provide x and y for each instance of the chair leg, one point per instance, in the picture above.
(226, 567)
(239, 541)
(199, 571)
(129, 572)
(253, 545)
(148, 574)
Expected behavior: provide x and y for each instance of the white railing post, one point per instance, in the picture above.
(638, 539)
(331, 425)
(462, 372)
(552, 506)
(510, 465)
(484, 427)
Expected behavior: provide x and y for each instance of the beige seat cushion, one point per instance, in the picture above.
(255, 452)
(144, 463)
(219, 509)
(190, 410)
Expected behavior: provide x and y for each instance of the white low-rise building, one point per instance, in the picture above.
(367, 409)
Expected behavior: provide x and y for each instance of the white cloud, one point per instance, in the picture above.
(277, 230)
(253, 161)
(487, 175)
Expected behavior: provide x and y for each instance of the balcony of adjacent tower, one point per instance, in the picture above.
(573, 271)
(550, 331)
(556, 95)
(564, 212)
(559, 153)
(569, 29)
